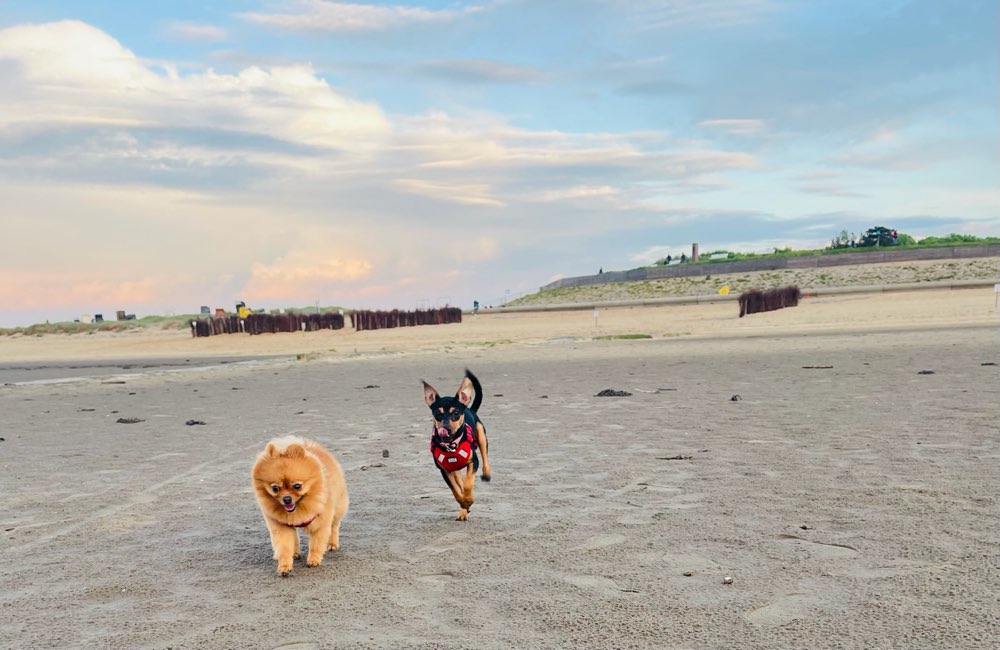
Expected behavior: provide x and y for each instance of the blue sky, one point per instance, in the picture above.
(155, 157)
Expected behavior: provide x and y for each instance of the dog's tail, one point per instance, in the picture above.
(479, 390)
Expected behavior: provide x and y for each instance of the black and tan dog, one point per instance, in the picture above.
(458, 434)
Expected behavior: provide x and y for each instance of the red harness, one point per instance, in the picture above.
(454, 456)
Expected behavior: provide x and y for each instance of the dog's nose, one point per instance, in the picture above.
(286, 499)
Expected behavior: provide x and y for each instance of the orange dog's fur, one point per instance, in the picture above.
(298, 484)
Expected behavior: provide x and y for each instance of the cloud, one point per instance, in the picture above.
(695, 14)
(71, 291)
(585, 192)
(325, 16)
(472, 71)
(735, 126)
(194, 32)
(304, 275)
(72, 73)
(450, 192)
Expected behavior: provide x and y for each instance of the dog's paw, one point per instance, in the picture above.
(486, 476)
(463, 515)
(333, 546)
(284, 569)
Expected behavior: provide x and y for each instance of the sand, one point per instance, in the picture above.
(851, 493)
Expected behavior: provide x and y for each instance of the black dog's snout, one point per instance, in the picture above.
(286, 499)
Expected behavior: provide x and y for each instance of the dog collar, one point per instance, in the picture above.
(303, 524)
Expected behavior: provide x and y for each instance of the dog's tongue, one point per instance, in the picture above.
(442, 431)
(290, 506)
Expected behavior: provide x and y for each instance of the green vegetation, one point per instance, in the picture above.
(74, 327)
(841, 244)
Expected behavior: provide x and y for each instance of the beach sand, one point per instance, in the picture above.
(851, 493)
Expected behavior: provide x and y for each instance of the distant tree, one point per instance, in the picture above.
(843, 240)
(905, 240)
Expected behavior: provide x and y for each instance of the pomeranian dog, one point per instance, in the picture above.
(298, 484)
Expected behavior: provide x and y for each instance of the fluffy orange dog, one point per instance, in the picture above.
(299, 484)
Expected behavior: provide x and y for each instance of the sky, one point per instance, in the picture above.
(160, 156)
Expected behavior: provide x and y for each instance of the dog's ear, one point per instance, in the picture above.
(271, 451)
(295, 451)
(464, 394)
(430, 395)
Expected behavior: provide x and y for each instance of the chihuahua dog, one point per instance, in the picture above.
(458, 434)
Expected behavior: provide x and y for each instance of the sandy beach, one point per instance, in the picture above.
(850, 492)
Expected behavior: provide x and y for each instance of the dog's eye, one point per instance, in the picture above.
(456, 416)
(439, 415)
(275, 488)
(296, 486)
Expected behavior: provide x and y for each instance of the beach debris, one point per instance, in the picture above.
(925, 372)
(728, 580)
(87, 410)
(988, 363)
(365, 467)
(677, 457)
(688, 574)
(817, 367)
(609, 392)
(191, 423)
(385, 453)
(543, 397)
(129, 420)
(804, 527)
(372, 386)
(497, 394)
(113, 382)
(735, 398)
